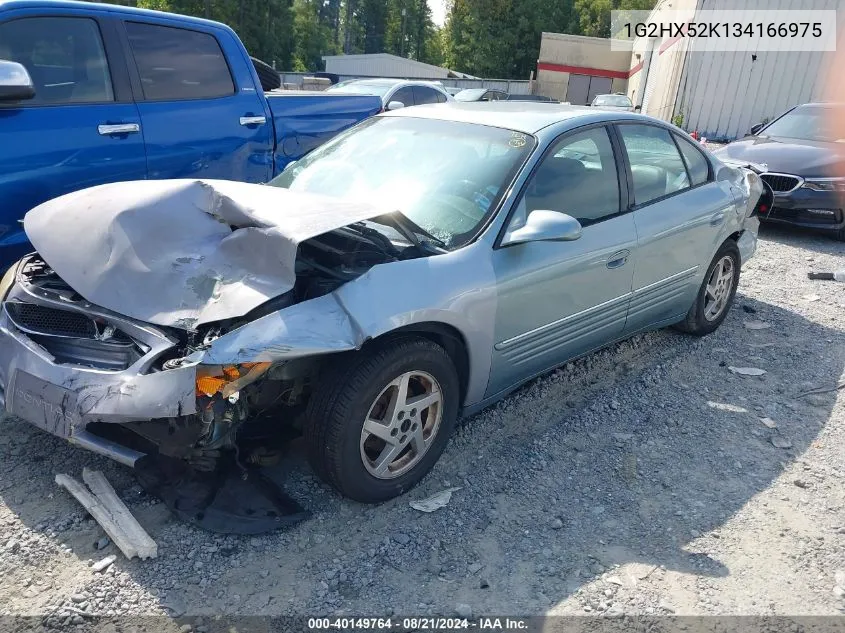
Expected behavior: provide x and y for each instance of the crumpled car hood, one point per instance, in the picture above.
(182, 252)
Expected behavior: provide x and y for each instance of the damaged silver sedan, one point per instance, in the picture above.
(416, 268)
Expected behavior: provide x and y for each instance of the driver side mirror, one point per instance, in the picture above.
(545, 226)
(756, 128)
(15, 82)
(638, 108)
(395, 105)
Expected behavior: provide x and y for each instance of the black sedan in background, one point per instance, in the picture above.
(805, 167)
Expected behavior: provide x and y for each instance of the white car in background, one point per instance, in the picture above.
(395, 93)
(617, 101)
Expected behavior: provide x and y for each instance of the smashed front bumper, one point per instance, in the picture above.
(65, 363)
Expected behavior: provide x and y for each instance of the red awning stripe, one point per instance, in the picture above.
(593, 72)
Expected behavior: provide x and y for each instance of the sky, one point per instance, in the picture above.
(438, 11)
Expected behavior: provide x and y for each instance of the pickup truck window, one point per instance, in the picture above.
(64, 57)
(178, 64)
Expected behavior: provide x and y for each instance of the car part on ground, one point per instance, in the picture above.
(373, 322)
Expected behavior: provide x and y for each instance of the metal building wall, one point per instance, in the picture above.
(382, 65)
(723, 94)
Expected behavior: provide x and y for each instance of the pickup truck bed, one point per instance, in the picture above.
(131, 94)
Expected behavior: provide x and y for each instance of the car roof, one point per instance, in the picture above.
(115, 8)
(522, 116)
(387, 81)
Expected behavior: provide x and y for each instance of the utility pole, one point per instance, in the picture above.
(402, 38)
(347, 44)
(421, 29)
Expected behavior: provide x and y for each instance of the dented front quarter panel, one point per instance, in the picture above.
(456, 289)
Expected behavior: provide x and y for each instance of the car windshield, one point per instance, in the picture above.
(612, 100)
(809, 123)
(470, 94)
(375, 88)
(446, 177)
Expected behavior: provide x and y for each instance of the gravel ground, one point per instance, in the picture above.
(646, 479)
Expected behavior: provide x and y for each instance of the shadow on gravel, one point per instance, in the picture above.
(817, 241)
(624, 458)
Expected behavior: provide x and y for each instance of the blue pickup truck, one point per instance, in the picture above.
(93, 93)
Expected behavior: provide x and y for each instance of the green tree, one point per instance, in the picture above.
(312, 38)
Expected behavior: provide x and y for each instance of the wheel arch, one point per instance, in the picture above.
(446, 336)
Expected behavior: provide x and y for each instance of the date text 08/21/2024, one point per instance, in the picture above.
(418, 623)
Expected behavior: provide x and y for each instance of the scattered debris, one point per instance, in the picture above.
(435, 501)
(102, 543)
(811, 297)
(614, 580)
(463, 611)
(837, 387)
(756, 325)
(483, 583)
(800, 483)
(748, 309)
(102, 565)
(780, 442)
(110, 512)
(769, 423)
(557, 524)
(836, 275)
(747, 371)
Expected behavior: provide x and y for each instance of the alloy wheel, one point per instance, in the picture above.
(401, 424)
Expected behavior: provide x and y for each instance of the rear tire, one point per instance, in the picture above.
(406, 428)
(716, 295)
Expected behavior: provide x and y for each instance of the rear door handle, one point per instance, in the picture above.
(618, 259)
(717, 218)
(108, 129)
(253, 120)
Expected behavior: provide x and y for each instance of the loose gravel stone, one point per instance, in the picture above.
(636, 480)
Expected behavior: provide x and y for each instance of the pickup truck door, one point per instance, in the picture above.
(81, 129)
(203, 112)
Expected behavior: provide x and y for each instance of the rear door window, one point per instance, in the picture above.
(697, 164)
(656, 165)
(178, 64)
(64, 57)
(404, 95)
(424, 95)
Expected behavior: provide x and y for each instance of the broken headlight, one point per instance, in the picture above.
(227, 380)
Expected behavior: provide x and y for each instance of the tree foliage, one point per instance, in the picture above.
(487, 38)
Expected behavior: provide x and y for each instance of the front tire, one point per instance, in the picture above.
(381, 417)
(716, 295)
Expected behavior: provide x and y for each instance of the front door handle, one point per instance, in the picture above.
(109, 129)
(618, 259)
(253, 120)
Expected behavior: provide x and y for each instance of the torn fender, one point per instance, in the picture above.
(182, 252)
(455, 289)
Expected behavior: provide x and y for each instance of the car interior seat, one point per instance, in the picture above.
(650, 182)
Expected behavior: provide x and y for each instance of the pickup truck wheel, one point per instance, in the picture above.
(381, 418)
(716, 294)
